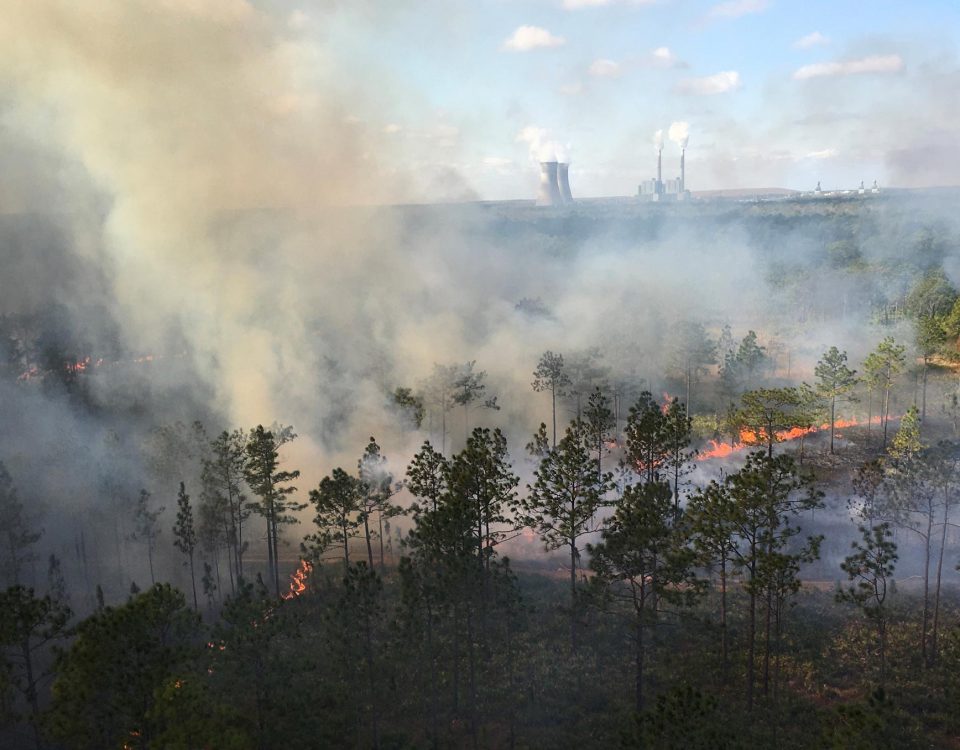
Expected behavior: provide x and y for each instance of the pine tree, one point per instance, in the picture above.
(146, 527)
(223, 477)
(17, 536)
(427, 475)
(677, 436)
(550, 376)
(646, 451)
(768, 493)
(642, 563)
(711, 521)
(339, 510)
(835, 382)
(882, 367)
(28, 625)
(868, 569)
(598, 420)
(185, 536)
(376, 489)
(692, 352)
(272, 487)
(562, 504)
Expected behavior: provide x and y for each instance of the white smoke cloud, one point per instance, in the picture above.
(872, 64)
(658, 139)
(542, 145)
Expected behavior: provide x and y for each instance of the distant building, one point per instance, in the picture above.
(658, 189)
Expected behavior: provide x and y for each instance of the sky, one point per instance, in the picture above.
(776, 93)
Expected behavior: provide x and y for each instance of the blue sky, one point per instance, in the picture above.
(467, 95)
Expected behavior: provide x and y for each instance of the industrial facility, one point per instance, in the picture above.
(658, 189)
(554, 184)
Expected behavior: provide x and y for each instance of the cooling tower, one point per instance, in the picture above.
(563, 182)
(549, 194)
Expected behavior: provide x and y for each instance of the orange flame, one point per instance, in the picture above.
(298, 580)
(667, 400)
(749, 438)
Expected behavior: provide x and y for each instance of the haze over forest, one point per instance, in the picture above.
(315, 431)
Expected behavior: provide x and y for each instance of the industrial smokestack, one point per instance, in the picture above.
(563, 182)
(549, 194)
(659, 169)
(683, 169)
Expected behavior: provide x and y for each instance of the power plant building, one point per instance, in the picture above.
(554, 184)
(658, 189)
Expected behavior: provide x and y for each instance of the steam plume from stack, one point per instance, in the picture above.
(679, 133)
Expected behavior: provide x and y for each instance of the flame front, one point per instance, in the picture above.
(749, 438)
(298, 580)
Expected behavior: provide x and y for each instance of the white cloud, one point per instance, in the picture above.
(737, 8)
(873, 64)
(815, 39)
(604, 69)
(577, 4)
(827, 153)
(718, 83)
(526, 38)
(392, 128)
(662, 57)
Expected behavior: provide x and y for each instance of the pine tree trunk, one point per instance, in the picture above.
(638, 663)
(751, 644)
(193, 581)
(936, 593)
(573, 594)
(366, 532)
(472, 662)
(882, 628)
(434, 731)
(269, 548)
(32, 698)
(553, 393)
(833, 420)
(723, 615)
(372, 683)
(383, 568)
(926, 590)
(276, 555)
(766, 643)
(885, 414)
(456, 660)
